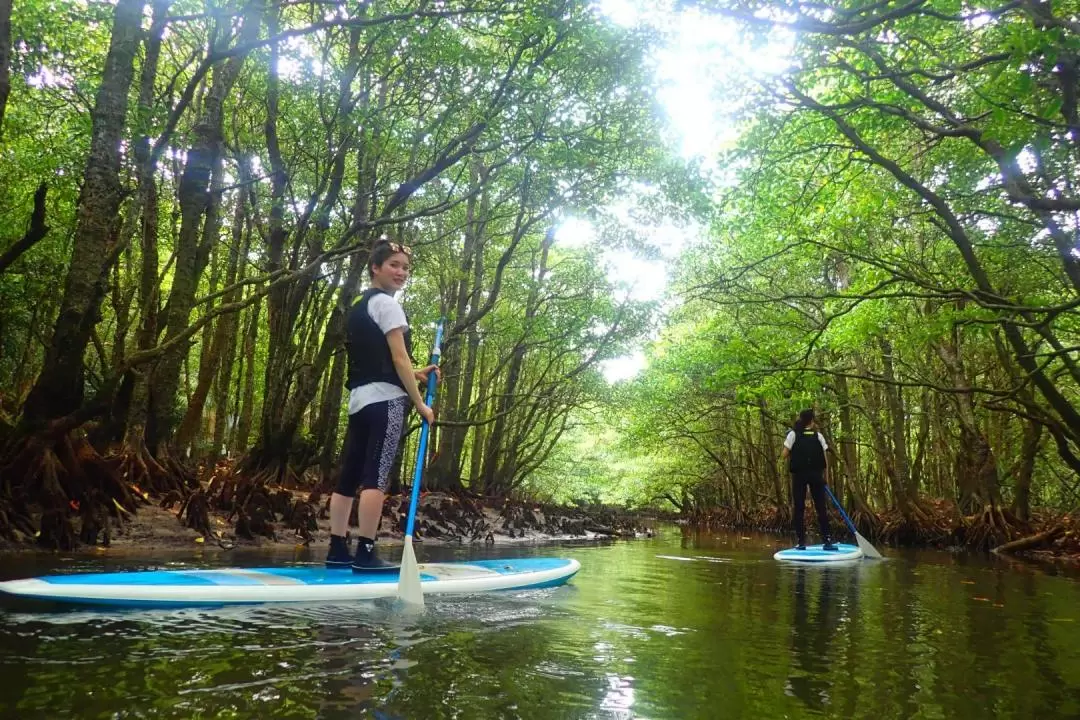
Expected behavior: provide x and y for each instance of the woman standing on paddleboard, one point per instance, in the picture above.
(805, 450)
(382, 382)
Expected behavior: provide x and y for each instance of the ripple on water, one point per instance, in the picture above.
(663, 628)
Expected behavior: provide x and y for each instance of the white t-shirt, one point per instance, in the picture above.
(388, 315)
(789, 441)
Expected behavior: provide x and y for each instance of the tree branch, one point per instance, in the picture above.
(37, 230)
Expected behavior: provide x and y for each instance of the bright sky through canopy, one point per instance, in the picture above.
(697, 72)
(703, 57)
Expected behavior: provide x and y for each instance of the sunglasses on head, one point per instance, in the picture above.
(399, 248)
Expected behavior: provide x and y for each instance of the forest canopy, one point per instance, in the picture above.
(189, 191)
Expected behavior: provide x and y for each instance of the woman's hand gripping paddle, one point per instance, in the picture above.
(867, 549)
(409, 590)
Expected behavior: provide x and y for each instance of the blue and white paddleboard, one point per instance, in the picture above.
(225, 586)
(815, 554)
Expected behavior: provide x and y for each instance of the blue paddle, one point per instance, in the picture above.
(409, 589)
(867, 549)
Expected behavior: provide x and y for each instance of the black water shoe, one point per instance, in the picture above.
(338, 557)
(829, 547)
(367, 561)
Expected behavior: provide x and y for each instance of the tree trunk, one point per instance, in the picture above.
(922, 441)
(848, 452)
(333, 397)
(976, 472)
(879, 438)
(942, 486)
(772, 456)
(59, 387)
(203, 161)
(146, 296)
(495, 480)
(5, 58)
(326, 436)
(111, 428)
(215, 335)
(48, 465)
(1029, 450)
(455, 401)
(469, 375)
(280, 424)
(278, 296)
(247, 406)
(121, 298)
(36, 232)
(22, 377)
(526, 464)
(476, 454)
(229, 324)
(290, 382)
(897, 425)
(1028, 543)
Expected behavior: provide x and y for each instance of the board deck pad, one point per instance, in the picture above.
(815, 554)
(298, 583)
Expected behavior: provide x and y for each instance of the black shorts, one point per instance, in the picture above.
(371, 443)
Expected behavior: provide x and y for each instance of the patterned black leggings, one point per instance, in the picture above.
(371, 443)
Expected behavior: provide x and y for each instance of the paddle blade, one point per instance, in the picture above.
(409, 590)
(867, 549)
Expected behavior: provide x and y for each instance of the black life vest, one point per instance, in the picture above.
(370, 360)
(806, 453)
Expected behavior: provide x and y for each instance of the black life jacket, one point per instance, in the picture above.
(370, 360)
(806, 453)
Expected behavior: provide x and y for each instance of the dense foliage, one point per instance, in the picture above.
(899, 250)
(190, 189)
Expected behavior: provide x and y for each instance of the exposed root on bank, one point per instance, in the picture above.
(268, 469)
(993, 527)
(920, 523)
(302, 517)
(866, 522)
(1058, 540)
(147, 475)
(461, 517)
(439, 517)
(195, 513)
(1037, 541)
(255, 517)
(61, 492)
(258, 501)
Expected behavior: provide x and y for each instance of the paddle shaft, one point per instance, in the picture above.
(421, 450)
(851, 525)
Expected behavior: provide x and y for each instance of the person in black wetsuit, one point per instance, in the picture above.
(382, 384)
(806, 451)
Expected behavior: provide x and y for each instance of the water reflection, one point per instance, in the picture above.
(814, 624)
(619, 698)
(686, 625)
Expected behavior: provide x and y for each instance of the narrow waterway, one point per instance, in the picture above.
(683, 625)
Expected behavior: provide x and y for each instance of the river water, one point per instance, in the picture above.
(683, 625)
